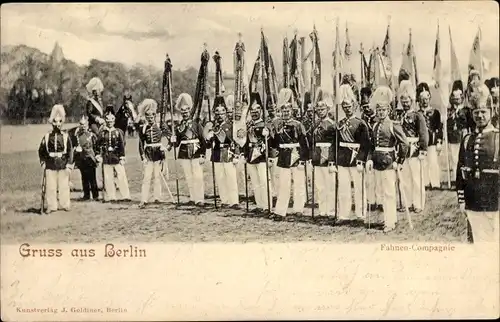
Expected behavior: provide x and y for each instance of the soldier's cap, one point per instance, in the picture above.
(366, 91)
(346, 95)
(381, 98)
(230, 102)
(183, 101)
(84, 120)
(474, 72)
(109, 117)
(406, 89)
(219, 102)
(109, 109)
(95, 84)
(285, 98)
(423, 90)
(323, 98)
(255, 100)
(57, 114)
(147, 107)
(481, 98)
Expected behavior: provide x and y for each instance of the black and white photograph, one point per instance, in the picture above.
(332, 122)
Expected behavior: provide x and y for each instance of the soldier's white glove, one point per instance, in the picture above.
(271, 161)
(309, 163)
(396, 166)
(162, 148)
(439, 147)
(98, 159)
(122, 160)
(242, 159)
(69, 167)
(202, 160)
(42, 164)
(369, 165)
(301, 165)
(359, 166)
(99, 120)
(173, 139)
(332, 168)
(265, 132)
(422, 155)
(144, 161)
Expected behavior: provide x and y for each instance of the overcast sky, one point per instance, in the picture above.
(143, 33)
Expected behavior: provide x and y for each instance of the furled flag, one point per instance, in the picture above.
(316, 59)
(454, 68)
(475, 57)
(295, 76)
(286, 63)
(386, 57)
(408, 63)
(338, 64)
(436, 71)
(347, 51)
(437, 95)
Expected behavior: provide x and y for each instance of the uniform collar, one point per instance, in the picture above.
(486, 129)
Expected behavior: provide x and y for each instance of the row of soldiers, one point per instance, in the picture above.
(372, 151)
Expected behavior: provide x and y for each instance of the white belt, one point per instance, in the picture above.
(413, 139)
(190, 141)
(56, 154)
(289, 145)
(349, 145)
(384, 149)
(490, 170)
(323, 144)
(152, 145)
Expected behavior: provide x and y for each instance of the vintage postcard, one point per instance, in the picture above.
(226, 161)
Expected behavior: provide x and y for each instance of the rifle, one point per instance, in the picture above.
(166, 103)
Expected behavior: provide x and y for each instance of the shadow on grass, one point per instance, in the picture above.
(31, 211)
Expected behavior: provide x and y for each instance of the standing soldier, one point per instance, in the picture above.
(95, 107)
(307, 121)
(254, 151)
(273, 152)
(492, 84)
(458, 124)
(188, 137)
(435, 129)
(151, 151)
(353, 148)
(125, 113)
(384, 160)
(415, 129)
(368, 115)
(323, 155)
(111, 147)
(223, 155)
(56, 158)
(293, 152)
(85, 143)
(478, 168)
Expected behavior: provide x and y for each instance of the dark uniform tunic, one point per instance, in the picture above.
(56, 150)
(434, 126)
(477, 170)
(291, 141)
(224, 149)
(459, 122)
(150, 143)
(415, 128)
(354, 141)
(94, 110)
(111, 145)
(388, 135)
(323, 151)
(255, 144)
(85, 160)
(190, 141)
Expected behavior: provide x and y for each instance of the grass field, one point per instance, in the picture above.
(20, 184)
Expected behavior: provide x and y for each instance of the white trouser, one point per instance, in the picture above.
(151, 168)
(414, 189)
(485, 226)
(272, 176)
(453, 150)
(121, 181)
(325, 186)
(258, 178)
(386, 185)
(432, 172)
(346, 175)
(193, 172)
(372, 194)
(225, 177)
(299, 190)
(57, 186)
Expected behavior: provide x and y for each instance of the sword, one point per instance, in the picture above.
(403, 196)
(168, 188)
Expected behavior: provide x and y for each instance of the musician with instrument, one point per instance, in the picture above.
(383, 158)
(478, 170)
(323, 154)
(151, 151)
(224, 155)
(353, 148)
(435, 129)
(188, 138)
(95, 107)
(293, 152)
(254, 150)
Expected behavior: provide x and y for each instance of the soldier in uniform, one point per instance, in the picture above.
(368, 115)
(307, 121)
(478, 168)
(125, 113)
(95, 107)
(85, 143)
(415, 129)
(293, 152)
(273, 152)
(435, 129)
(492, 84)
(254, 153)
(224, 156)
(353, 148)
(383, 159)
(151, 151)
(111, 153)
(56, 158)
(191, 145)
(459, 123)
(323, 155)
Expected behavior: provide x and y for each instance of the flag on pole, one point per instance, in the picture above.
(317, 57)
(347, 51)
(408, 63)
(475, 56)
(386, 57)
(436, 71)
(454, 68)
(338, 64)
(437, 95)
(286, 63)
